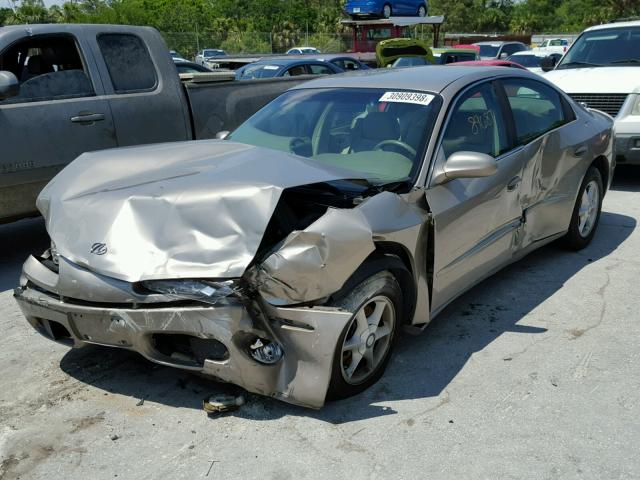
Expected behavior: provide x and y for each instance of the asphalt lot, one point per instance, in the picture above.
(534, 374)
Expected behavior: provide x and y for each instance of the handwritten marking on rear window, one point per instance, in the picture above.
(480, 122)
(407, 97)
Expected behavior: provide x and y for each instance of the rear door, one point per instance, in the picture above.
(553, 147)
(142, 85)
(476, 219)
(59, 114)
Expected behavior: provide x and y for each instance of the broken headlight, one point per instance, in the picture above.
(199, 290)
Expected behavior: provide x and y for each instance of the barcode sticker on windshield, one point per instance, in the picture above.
(271, 67)
(407, 97)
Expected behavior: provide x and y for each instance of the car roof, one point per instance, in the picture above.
(529, 52)
(497, 42)
(286, 61)
(453, 50)
(634, 23)
(432, 78)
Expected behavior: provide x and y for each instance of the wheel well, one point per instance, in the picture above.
(387, 256)
(602, 165)
(405, 277)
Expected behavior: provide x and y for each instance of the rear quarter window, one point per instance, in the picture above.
(128, 61)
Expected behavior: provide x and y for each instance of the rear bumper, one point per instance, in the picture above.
(308, 337)
(628, 149)
(364, 10)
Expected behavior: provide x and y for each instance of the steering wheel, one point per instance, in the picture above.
(397, 143)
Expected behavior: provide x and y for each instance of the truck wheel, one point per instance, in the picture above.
(365, 345)
(586, 213)
(422, 11)
(386, 11)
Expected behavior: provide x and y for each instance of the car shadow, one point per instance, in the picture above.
(423, 366)
(18, 240)
(626, 179)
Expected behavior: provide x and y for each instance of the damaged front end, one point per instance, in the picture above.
(231, 335)
(261, 317)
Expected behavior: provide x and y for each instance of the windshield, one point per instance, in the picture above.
(213, 53)
(490, 51)
(614, 46)
(409, 62)
(259, 71)
(379, 133)
(529, 61)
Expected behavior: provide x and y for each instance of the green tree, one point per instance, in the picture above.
(5, 13)
(29, 11)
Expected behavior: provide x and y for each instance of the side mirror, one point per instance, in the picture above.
(223, 135)
(467, 165)
(548, 63)
(503, 55)
(9, 85)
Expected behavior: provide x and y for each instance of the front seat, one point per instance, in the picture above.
(37, 65)
(369, 131)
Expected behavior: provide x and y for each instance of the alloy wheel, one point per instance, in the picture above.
(368, 340)
(588, 212)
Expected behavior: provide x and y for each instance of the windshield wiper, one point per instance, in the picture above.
(578, 64)
(626, 60)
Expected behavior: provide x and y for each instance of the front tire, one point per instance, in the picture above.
(387, 11)
(586, 213)
(422, 11)
(365, 345)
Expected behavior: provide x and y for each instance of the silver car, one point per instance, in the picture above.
(288, 257)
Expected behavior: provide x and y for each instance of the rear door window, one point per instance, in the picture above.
(317, 69)
(537, 108)
(128, 62)
(295, 71)
(48, 68)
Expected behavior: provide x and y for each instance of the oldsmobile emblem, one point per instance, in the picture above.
(99, 248)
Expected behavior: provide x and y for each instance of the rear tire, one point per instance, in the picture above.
(586, 213)
(365, 345)
(422, 11)
(387, 11)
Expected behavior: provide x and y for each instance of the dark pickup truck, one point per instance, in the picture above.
(69, 89)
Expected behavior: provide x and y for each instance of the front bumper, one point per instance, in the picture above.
(627, 148)
(308, 337)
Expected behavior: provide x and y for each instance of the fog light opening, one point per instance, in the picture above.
(266, 351)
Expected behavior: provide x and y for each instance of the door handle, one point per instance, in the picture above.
(88, 117)
(513, 184)
(580, 151)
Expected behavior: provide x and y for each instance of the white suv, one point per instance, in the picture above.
(602, 70)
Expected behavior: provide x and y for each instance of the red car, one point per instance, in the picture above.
(489, 63)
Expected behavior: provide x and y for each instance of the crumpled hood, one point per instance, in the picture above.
(176, 210)
(596, 80)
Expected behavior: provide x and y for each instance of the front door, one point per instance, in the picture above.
(57, 116)
(476, 218)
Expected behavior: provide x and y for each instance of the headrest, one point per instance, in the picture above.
(379, 125)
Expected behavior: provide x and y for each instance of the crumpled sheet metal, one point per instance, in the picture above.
(315, 262)
(175, 210)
